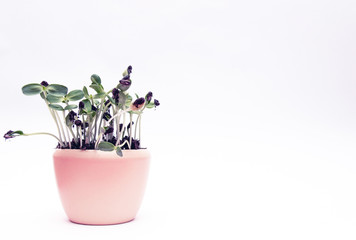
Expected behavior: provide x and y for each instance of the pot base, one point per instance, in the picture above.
(101, 224)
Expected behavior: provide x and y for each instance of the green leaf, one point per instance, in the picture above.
(70, 107)
(85, 91)
(123, 87)
(87, 105)
(106, 146)
(97, 88)
(18, 132)
(111, 99)
(95, 79)
(32, 89)
(75, 95)
(92, 114)
(125, 73)
(56, 107)
(99, 95)
(54, 99)
(150, 105)
(122, 98)
(68, 122)
(58, 90)
(137, 95)
(128, 97)
(118, 151)
(128, 100)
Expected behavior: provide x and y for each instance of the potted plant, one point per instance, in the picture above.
(101, 168)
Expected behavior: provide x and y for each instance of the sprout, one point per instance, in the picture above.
(101, 122)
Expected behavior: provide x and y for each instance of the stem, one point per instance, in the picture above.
(123, 123)
(66, 127)
(45, 133)
(101, 119)
(97, 115)
(71, 132)
(123, 126)
(139, 129)
(123, 143)
(137, 120)
(53, 116)
(70, 128)
(80, 137)
(97, 141)
(60, 123)
(87, 140)
(84, 132)
(130, 138)
(118, 131)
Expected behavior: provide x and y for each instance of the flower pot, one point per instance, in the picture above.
(101, 188)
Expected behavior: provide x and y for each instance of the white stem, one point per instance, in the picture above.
(98, 140)
(139, 129)
(66, 127)
(44, 133)
(118, 114)
(130, 138)
(80, 136)
(123, 143)
(60, 123)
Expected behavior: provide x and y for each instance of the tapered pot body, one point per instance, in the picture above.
(101, 188)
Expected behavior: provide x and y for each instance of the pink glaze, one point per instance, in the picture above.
(99, 187)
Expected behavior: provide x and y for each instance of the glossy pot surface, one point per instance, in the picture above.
(101, 188)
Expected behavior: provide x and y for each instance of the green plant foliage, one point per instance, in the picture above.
(150, 105)
(97, 88)
(118, 151)
(69, 123)
(54, 99)
(18, 132)
(95, 79)
(85, 91)
(101, 121)
(111, 99)
(122, 98)
(75, 95)
(99, 95)
(87, 105)
(56, 107)
(70, 107)
(57, 90)
(32, 89)
(106, 146)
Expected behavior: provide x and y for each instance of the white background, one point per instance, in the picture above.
(255, 136)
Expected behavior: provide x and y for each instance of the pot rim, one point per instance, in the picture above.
(95, 153)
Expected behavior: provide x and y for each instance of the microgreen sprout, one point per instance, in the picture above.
(95, 120)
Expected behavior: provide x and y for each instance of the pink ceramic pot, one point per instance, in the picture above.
(99, 187)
